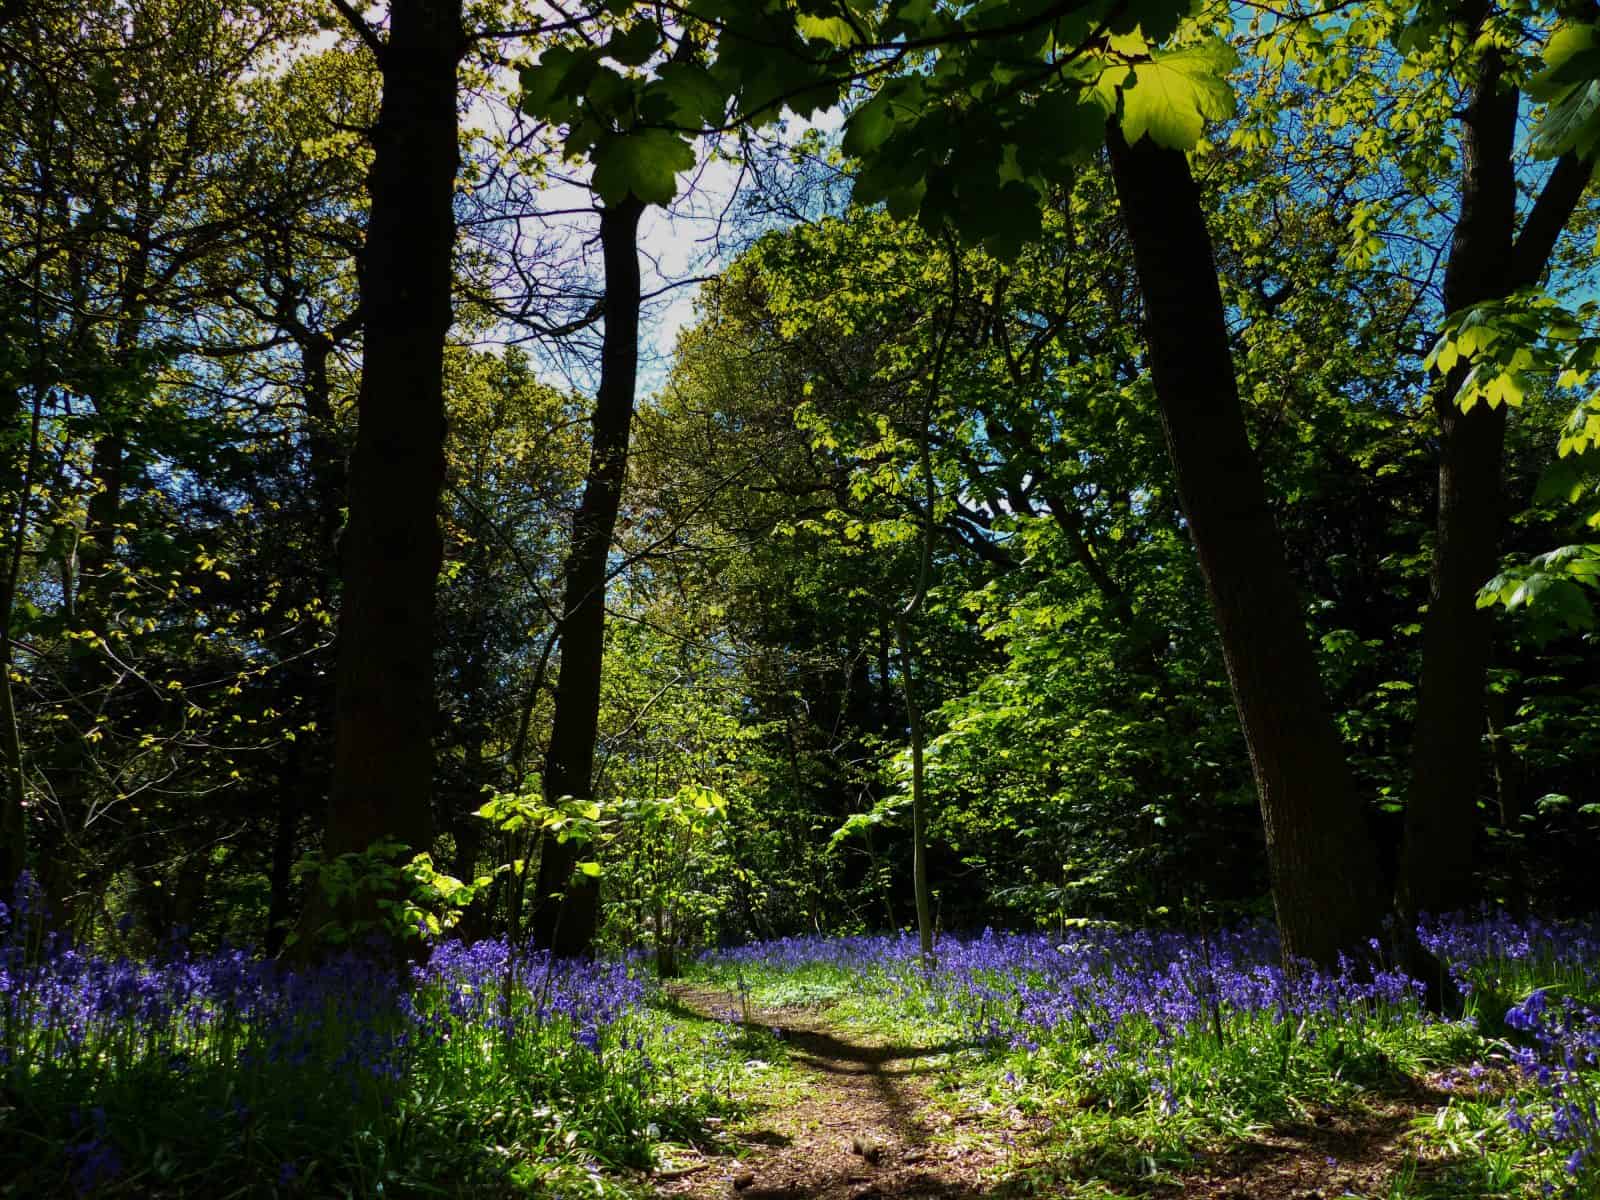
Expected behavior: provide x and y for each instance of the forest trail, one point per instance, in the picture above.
(854, 1120)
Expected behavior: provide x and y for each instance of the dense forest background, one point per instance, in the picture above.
(913, 555)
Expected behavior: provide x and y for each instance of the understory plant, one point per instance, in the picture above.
(1167, 1036)
(474, 1071)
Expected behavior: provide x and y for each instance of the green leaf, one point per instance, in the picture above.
(1171, 96)
(1570, 85)
(1505, 389)
(632, 47)
(1562, 481)
(1005, 219)
(1064, 128)
(1572, 55)
(551, 88)
(1570, 124)
(912, 12)
(693, 98)
(1159, 19)
(1554, 597)
(590, 869)
(834, 30)
(870, 125)
(644, 162)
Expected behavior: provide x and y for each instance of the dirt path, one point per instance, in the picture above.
(856, 1121)
(855, 1118)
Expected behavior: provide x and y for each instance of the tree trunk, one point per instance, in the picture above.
(280, 878)
(1319, 854)
(384, 712)
(1441, 823)
(13, 790)
(567, 908)
(919, 799)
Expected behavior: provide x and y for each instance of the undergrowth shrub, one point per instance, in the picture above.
(481, 1071)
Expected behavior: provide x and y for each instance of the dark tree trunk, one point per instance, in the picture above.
(921, 892)
(467, 828)
(384, 711)
(1441, 822)
(1319, 855)
(302, 779)
(13, 789)
(567, 907)
(280, 877)
(1441, 806)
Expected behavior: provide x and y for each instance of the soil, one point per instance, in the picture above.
(1331, 1155)
(860, 1120)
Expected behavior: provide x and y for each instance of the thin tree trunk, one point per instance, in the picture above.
(567, 908)
(13, 791)
(1322, 866)
(280, 876)
(919, 798)
(466, 825)
(881, 879)
(384, 710)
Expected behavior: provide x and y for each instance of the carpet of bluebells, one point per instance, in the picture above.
(485, 1072)
(1168, 1025)
(481, 1074)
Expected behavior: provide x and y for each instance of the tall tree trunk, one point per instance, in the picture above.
(1319, 854)
(467, 828)
(384, 710)
(13, 789)
(920, 890)
(301, 787)
(280, 873)
(567, 908)
(1441, 823)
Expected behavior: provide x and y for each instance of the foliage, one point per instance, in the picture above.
(940, 390)
(409, 899)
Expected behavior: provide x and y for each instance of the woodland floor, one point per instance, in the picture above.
(857, 1116)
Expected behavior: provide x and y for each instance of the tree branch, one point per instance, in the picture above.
(362, 27)
(1530, 254)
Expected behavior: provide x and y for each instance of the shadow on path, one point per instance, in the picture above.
(855, 1121)
(855, 1126)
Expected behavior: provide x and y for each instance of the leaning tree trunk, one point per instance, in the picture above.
(384, 710)
(1324, 881)
(1441, 824)
(567, 905)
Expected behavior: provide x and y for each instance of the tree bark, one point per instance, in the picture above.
(1320, 857)
(13, 789)
(280, 875)
(384, 711)
(1441, 822)
(920, 889)
(567, 907)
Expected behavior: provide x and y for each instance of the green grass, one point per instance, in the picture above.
(1161, 1107)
